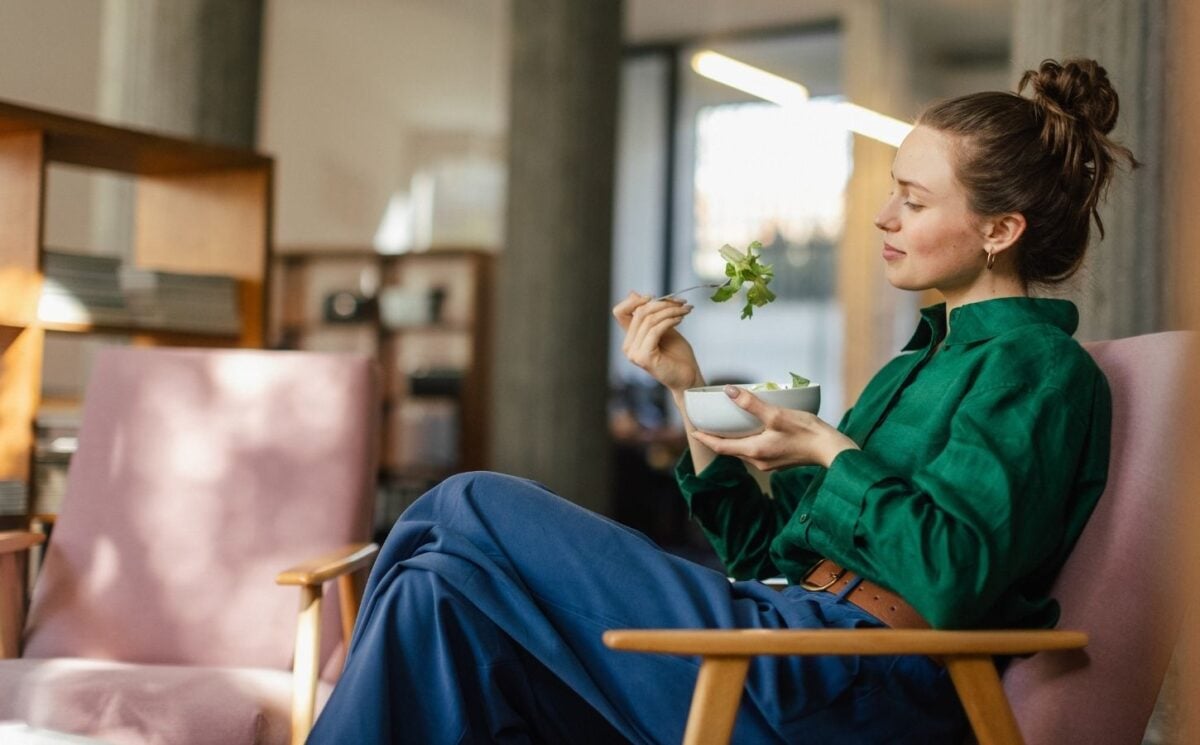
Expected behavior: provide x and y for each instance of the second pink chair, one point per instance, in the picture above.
(201, 476)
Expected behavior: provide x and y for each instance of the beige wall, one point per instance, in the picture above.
(348, 88)
(49, 53)
(49, 58)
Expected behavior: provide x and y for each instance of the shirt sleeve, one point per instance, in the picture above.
(739, 520)
(952, 536)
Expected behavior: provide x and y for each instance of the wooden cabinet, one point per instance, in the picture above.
(197, 209)
(424, 317)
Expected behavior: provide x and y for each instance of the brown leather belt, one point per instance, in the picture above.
(879, 601)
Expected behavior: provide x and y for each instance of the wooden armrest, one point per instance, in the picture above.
(311, 575)
(748, 642)
(726, 660)
(321, 569)
(19, 540)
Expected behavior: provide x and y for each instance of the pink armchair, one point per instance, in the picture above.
(1116, 590)
(160, 615)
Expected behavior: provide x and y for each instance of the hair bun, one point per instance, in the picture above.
(1078, 89)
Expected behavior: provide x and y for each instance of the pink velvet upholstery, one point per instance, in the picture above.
(1118, 584)
(127, 704)
(201, 474)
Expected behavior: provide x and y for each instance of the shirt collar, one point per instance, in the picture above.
(983, 320)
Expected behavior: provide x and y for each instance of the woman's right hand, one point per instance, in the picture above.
(653, 343)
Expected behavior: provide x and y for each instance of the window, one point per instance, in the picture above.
(700, 165)
(774, 175)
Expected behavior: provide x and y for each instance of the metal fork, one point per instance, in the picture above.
(709, 285)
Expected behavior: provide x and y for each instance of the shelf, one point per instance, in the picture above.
(437, 328)
(92, 144)
(308, 253)
(61, 403)
(415, 427)
(198, 208)
(440, 328)
(303, 327)
(166, 334)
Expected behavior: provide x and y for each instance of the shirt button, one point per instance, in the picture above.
(804, 517)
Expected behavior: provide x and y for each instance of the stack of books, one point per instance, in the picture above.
(82, 289)
(182, 302)
(12, 498)
(427, 432)
(100, 291)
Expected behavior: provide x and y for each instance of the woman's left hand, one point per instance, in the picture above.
(790, 438)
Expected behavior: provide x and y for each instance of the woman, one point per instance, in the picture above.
(949, 496)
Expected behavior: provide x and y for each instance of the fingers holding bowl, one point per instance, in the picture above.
(710, 409)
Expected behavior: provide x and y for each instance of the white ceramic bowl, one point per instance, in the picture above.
(714, 412)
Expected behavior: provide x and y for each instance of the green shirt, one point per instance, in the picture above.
(980, 464)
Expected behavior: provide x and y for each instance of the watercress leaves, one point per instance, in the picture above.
(745, 269)
(797, 382)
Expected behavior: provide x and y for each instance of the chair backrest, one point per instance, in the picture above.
(200, 475)
(1118, 584)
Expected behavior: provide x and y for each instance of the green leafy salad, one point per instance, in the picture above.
(745, 270)
(797, 382)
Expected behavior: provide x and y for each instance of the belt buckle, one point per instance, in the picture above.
(815, 587)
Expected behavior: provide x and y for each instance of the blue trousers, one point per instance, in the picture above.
(482, 623)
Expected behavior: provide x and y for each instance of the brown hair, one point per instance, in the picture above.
(1047, 157)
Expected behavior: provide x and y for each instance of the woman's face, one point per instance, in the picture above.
(931, 237)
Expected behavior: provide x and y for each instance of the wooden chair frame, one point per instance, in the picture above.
(726, 654)
(346, 565)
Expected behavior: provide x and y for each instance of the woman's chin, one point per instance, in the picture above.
(900, 282)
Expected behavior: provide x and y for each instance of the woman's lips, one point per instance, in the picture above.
(891, 253)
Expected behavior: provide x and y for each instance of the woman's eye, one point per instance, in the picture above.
(914, 205)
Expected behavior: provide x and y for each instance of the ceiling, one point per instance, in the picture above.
(951, 27)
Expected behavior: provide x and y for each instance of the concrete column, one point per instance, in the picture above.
(1121, 288)
(182, 67)
(552, 317)
(878, 317)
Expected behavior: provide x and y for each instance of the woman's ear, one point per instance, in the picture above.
(1002, 231)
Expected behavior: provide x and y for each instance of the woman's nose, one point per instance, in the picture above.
(885, 218)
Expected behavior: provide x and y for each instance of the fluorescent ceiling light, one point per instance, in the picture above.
(752, 80)
(780, 90)
(870, 123)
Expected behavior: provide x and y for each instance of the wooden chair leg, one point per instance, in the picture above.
(12, 603)
(304, 666)
(982, 696)
(715, 701)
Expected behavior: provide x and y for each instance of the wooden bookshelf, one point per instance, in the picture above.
(198, 208)
(457, 338)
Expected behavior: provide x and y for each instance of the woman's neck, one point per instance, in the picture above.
(993, 289)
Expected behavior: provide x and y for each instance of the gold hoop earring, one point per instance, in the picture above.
(991, 260)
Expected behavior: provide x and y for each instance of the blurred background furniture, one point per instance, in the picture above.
(201, 477)
(424, 316)
(1117, 587)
